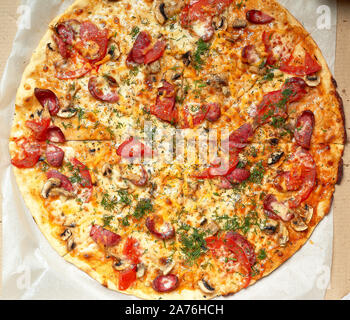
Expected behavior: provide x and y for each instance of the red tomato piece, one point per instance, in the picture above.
(230, 255)
(132, 250)
(304, 128)
(31, 152)
(39, 128)
(126, 278)
(310, 66)
(258, 17)
(246, 246)
(84, 173)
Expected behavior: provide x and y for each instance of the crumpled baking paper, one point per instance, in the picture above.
(33, 270)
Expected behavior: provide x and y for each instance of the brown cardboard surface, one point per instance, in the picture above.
(340, 274)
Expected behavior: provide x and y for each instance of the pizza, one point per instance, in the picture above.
(177, 149)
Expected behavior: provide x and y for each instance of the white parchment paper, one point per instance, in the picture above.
(33, 270)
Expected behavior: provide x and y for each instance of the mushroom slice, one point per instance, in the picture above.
(107, 170)
(283, 235)
(169, 267)
(298, 224)
(119, 264)
(140, 270)
(159, 12)
(270, 226)
(186, 58)
(313, 80)
(239, 23)
(153, 67)
(49, 184)
(212, 228)
(70, 244)
(219, 23)
(307, 213)
(275, 157)
(113, 50)
(67, 113)
(66, 234)
(62, 192)
(205, 286)
(218, 81)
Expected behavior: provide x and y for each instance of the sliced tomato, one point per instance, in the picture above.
(103, 236)
(300, 178)
(278, 48)
(132, 250)
(39, 128)
(84, 173)
(246, 246)
(164, 108)
(310, 66)
(30, 154)
(65, 182)
(304, 128)
(132, 148)
(230, 255)
(126, 278)
(258, 17)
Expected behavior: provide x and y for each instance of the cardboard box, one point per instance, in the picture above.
(340, 274)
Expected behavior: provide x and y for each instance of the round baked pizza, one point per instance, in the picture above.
(177, 149)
